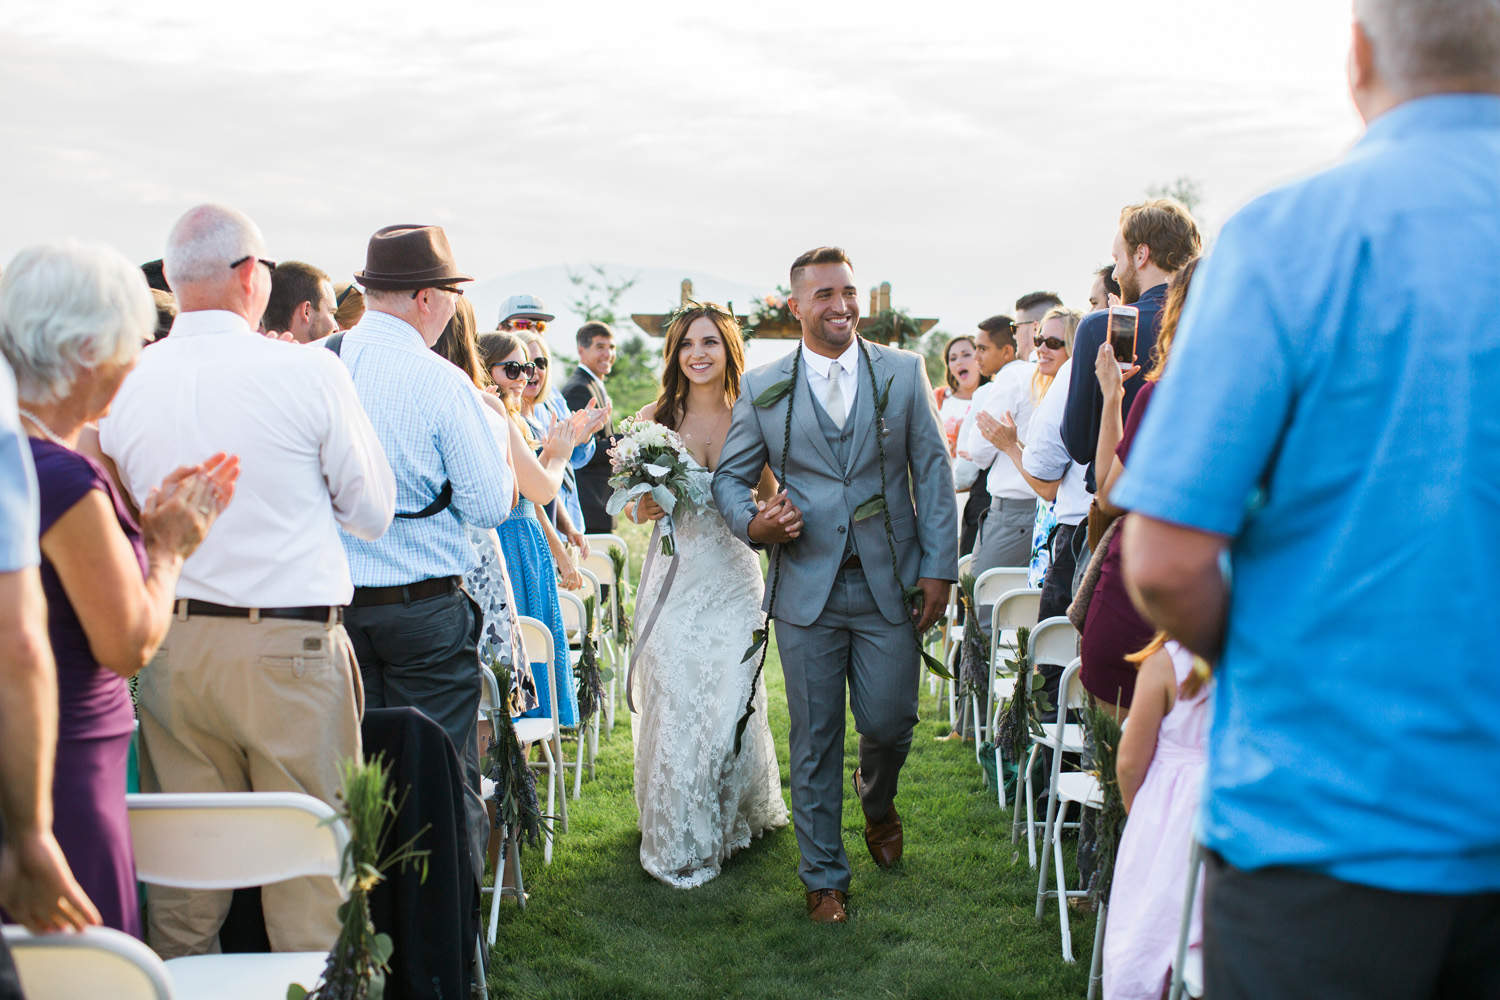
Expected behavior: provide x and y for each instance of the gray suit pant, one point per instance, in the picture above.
(850, 644)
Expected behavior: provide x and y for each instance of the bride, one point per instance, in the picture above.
(698, 801)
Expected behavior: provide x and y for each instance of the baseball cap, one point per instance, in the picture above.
(524, 307)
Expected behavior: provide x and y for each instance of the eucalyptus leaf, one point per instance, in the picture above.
(295, 992)
(384, 948)
(870, 507)
(740, 727)
(664, 497)
(772, 394)
(884, 397)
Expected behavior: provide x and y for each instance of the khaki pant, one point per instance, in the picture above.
(230, 705)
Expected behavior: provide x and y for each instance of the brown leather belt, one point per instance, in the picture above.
(314, 613)
(365, 597)
(851, 563)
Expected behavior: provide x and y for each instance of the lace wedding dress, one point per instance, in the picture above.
(698, 801)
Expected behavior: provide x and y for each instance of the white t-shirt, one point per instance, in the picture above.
(1010, 391)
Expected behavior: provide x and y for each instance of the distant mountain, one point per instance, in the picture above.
(656, 290)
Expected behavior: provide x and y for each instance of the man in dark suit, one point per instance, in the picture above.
(596, 355)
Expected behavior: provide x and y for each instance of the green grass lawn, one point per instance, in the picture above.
(953, 919)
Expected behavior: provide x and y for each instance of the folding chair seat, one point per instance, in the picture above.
(98, 962)
(1054, 642)
(574, 618)
(545, 731)
(235, 840)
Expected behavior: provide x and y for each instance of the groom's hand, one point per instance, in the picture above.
(934, 602)
(777, 522)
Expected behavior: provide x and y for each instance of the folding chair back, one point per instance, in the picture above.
(233, 840)
(992, 584)
(599, 564)
(99, 962)
(573, 615)
(537, 639)
(1015, 609)
(1054, 641)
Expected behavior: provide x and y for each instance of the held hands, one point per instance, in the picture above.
(37, 886)
(1000, 433)
(1111, 379)
(777, 522)
(177, 514)
(934, 601)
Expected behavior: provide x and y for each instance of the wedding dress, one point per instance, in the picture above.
(698, 801)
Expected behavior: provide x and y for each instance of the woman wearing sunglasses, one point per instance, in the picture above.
(534, 555)
(542, 406)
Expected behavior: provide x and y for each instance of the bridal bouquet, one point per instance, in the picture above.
(649, 458)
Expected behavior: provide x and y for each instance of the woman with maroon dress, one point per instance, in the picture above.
(1113, 628)
(72, 319)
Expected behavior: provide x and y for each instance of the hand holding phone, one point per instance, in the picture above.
(1124, 321)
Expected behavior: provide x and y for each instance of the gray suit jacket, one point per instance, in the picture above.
(919, 484)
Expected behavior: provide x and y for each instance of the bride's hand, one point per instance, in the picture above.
(647, 509)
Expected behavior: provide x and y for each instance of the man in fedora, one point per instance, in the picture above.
(415, 632)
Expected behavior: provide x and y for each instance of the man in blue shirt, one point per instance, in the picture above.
(1155, 239)
(1329, 419)
(414, 630)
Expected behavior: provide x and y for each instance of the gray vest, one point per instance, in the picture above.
(841, 442)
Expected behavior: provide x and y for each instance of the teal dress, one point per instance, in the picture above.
(533, 578)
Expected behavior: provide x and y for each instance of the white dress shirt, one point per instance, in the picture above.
(821, 370)
(1046, 457)
(1010, 391)
(309, 459)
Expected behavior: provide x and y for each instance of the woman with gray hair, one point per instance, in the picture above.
(72, 318)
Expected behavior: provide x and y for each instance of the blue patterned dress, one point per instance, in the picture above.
(533, 579)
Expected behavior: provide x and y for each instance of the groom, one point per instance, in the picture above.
(842, 617)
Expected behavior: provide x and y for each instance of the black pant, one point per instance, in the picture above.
(1057, 586)
(973, 514)
(425, 655)
(1290, 933)
(593, 494)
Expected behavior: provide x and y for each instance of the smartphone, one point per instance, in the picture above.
(1123, 321)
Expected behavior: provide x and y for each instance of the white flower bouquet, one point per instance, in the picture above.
(649, 458)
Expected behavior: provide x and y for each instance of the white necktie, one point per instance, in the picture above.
(834, 401)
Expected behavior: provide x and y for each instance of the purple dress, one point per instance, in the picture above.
(95, 718)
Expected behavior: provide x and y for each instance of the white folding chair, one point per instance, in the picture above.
(1064, 787)
(1059, 737)
(99, 962)
(1187, 967)
(545, 730)
(574, 617)
(1054, 641)
(491, 704)
(620, 639)
(989, 587)
(236, 840)
(1011, 610)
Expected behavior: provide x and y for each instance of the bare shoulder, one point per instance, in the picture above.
(647, 412)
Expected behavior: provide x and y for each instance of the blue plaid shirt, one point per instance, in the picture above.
(18, 495)
(432, 426)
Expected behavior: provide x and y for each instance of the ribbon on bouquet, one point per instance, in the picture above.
(661, 600)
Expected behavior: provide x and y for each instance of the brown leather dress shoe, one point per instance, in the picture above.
(883, 838)
(826, 906)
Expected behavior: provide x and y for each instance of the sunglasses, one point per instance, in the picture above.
(270, 264)
(1053, 343)
(519, 323)
(514, 369)
(444, 288)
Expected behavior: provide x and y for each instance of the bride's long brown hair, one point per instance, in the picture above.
(671, 404)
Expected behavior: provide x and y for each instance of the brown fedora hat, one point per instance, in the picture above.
(406, 256)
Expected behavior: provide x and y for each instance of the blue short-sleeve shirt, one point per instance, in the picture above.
(19, 545)
(1332, 405)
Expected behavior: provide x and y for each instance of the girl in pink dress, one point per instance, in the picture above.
(1160, 767)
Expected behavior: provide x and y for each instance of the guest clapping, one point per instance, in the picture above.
(72, 318)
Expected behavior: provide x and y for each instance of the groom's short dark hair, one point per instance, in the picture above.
(820, 255)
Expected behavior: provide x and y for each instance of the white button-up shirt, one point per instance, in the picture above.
(1009, 391)
(821, 370)
(309, 459)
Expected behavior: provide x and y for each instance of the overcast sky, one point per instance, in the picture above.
(967, 153)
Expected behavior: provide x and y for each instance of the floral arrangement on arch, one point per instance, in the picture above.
(772, 310)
